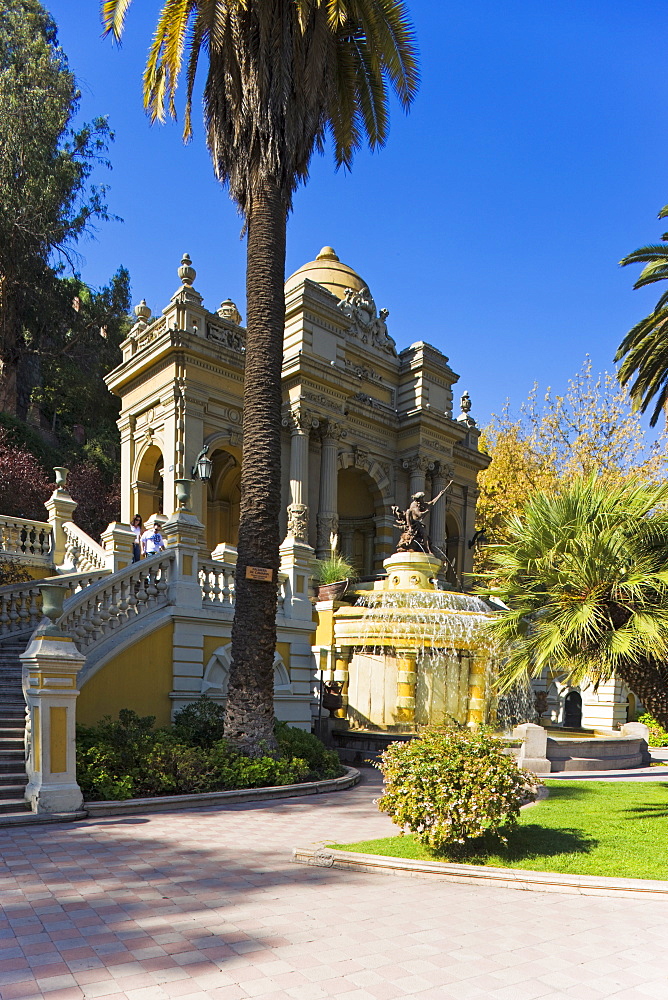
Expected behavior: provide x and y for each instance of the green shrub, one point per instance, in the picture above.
(127, 758)
(450, 786)
(334, 570)
(298, 744)
(200, 723)
(658, 737)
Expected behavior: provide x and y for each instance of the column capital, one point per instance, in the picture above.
(419, 463)
(334, 430)
(299, 420)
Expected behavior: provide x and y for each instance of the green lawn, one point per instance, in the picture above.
(583, 828)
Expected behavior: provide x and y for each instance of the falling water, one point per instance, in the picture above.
(434, 619)
(516, 706)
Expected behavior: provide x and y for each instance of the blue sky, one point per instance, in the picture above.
(492, 223)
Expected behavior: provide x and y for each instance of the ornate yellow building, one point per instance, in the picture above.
(365, 425)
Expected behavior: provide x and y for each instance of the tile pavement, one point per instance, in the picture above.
(206, 905)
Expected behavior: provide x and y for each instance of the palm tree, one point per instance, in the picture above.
(283, 75)
(644, 350)
(585, 577)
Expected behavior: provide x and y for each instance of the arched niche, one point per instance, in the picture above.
(147, 483)
(217, 674)
(223, 498)
(359, 503)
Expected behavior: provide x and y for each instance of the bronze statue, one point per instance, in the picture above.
(414, 535)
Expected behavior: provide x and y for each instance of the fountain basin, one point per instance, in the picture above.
(600, 753)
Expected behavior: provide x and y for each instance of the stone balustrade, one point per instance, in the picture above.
(29, 541)
(90, 617)
(217, 582)
(82, 553)
(21, 603)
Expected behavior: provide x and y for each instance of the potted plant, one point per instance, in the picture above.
(333, 575)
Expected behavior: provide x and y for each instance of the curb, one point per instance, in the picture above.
(322, 856)
(163, 803)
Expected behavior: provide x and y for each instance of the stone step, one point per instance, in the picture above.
(15, 777)
(13, 806)
(356, 746)
(13, 792)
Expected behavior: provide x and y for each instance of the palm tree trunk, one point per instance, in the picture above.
(647, 681)
(249, 713)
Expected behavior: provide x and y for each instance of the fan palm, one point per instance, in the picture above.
(282, 76)
(585, 577)
(644, 350)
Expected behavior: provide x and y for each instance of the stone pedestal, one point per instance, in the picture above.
(61, 507)
(50, 667)
(296, 564)
(184, 533)
(342, 676)
(533, 752)
(411, 571)
(117, 542)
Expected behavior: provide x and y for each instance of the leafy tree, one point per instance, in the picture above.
(24, 483)
(98, 497)
(591, 428)
(282, 75)
(644, 350)
(46, 202)
(584, 573)
(80, 345)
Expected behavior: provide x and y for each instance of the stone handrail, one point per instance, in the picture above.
(82, 552)
(118, 600)
(21, 603)
(25, 539)
(217, 582)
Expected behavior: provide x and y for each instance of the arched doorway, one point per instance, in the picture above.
(573, 710)
(223, 499)
(452, 549)
(147, 488)
(358, 506)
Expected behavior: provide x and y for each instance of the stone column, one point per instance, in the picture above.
(328, 518)
(477, 684)
(126, 425)
(50, 667)
(406, 684)
(342, 657)
(61, 507)
(300, 424)
(418, 466)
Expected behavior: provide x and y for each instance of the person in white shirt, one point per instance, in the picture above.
(152, 541)
(138, 528)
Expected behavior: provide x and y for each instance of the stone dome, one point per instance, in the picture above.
(328, 271)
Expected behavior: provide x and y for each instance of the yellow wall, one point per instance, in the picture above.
(140, 678)
(354, 496)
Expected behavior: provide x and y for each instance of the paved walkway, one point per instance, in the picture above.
(206, 905)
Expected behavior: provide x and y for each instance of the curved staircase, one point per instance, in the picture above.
(13, 778)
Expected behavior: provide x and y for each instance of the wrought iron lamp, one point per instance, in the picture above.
(203, 466)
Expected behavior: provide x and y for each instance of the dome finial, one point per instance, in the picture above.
(327, 253)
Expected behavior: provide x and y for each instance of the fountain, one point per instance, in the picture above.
(409, 654)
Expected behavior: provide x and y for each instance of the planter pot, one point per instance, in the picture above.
(332, 591)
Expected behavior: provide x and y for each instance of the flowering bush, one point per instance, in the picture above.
(449, 786)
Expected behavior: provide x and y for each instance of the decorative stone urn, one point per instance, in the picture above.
(53, 595)
(61, 477)
(183, 493)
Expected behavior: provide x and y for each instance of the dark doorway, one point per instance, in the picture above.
(573, 710)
